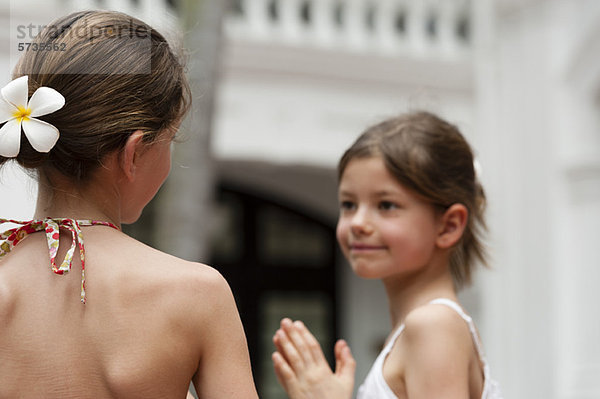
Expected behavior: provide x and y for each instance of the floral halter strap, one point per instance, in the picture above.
(12, 237)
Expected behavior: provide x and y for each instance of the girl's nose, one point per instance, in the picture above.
(361, 223)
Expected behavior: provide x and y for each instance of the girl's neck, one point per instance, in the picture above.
(406, 293)
(63, 199)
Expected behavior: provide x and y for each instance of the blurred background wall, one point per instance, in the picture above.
(282, 87)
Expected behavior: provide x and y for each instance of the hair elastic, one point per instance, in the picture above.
(477, 168)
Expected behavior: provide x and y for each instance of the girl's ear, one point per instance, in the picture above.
(452, 225)
(129, 155)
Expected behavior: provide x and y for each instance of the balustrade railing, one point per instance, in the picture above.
(419, 27)
(161, 14)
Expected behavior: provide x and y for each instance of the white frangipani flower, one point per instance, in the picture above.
(16, 111)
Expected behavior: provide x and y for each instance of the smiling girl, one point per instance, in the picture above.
(411, 215)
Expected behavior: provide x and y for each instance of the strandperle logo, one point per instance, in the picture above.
(62, 38)
(83, 30)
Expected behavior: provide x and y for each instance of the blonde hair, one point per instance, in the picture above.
(431, 157)
(117, 75)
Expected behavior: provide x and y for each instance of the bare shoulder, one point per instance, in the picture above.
(437, 344)
(142, 274)
(439, 329)
(435, 317)
(196, 292)
(432, 354)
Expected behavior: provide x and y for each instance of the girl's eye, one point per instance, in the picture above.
(387, 205)
(347, 205)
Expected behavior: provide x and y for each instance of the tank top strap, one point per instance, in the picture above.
(458, 309)
(388, 347)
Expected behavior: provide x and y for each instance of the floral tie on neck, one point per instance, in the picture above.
(10, 238)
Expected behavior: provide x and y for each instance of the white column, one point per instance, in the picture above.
(578, 200)
(516, 141)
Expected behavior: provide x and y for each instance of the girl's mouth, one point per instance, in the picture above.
(365, 247)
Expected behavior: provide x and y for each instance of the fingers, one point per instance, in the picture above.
(285, 374)
(345, 365)
(311, 343)
(288, 350)
(301, 367)
(277, 340)
(296, 337)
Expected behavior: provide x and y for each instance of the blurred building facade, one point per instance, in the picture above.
(300, 79)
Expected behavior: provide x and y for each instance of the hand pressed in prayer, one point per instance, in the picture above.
(302, 369)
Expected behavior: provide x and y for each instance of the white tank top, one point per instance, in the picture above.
(375, 386)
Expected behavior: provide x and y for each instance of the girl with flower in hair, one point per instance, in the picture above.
(94, 114)
(411, 214)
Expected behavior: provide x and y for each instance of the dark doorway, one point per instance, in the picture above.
(280, 261)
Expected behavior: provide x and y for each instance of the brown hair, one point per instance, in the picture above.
(431, 157)
(117, 75)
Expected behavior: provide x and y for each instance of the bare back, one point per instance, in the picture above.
(152, 323)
